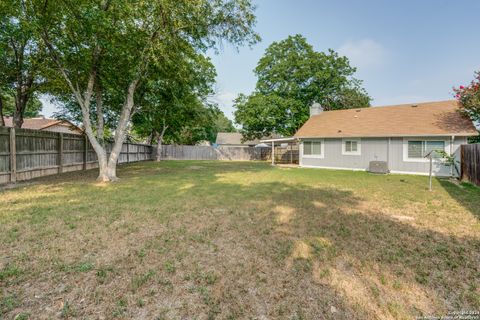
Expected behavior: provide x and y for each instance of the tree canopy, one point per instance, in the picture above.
(469, 98)
(176, 107)
(291, 77)
(33, 108)
(109, 52)
(22, 63)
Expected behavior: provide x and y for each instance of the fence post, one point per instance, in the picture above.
(85, 152)
(13, 156)
(60, 152)
(128, 153)
(461, 162)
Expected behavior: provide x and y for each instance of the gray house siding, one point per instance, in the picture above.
(379, 149)
(371, 149)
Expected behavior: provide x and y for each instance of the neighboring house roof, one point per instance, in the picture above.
(42, 123)
(233, 138)
(440, 118)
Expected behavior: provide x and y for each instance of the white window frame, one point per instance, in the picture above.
(405, 148)
(315, 156)
(352, 153)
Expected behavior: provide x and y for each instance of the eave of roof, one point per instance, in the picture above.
(388, 136)
(280, 139)
(423, 119)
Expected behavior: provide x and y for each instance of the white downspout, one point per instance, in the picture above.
(388, 154)
(452, 139)
(300, 152)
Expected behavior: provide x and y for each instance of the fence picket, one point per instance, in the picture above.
(471, 163)
(26, 154)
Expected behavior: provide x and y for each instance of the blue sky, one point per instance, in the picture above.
(404, 51)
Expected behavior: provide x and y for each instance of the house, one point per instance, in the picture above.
(234, 139)
(46, 124)
(400, 136)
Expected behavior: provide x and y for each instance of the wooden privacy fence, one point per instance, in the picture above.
(26, 154)
(471, 163)
(180, 152)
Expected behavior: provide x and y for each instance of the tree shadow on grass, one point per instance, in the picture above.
(413, 270)
(466, 194)
(381, 267)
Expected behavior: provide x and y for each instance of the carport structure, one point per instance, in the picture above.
(284, 150)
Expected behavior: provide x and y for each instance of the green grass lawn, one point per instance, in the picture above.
(238, 240)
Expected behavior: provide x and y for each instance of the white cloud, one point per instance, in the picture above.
(364, 54)
(48, 108)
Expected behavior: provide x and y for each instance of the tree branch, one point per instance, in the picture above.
(99, 106)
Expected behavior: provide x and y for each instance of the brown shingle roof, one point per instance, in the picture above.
(233, 138)
(41, 123)
(426, 119)
(236, 138)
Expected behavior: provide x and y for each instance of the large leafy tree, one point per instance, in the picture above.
(7, 107)
(469, 98)
(22, 57)
(292, 76)
(120, 44)
(176, 100)
(223, 124)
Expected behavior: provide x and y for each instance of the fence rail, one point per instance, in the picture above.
(180, 152)
(26, 154)
(471, 163)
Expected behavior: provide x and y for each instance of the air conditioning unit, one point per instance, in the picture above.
(378, 167)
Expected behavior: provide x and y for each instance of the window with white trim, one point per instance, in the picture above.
(351, 147)
(312, 148)
(418, 149)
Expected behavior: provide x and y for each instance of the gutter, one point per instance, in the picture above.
(390, 136)
(279, 139)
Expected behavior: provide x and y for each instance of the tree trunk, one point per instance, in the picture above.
(100, 120)
(107, 165)
(121, 131)
(104, 175)
(24, 92)
(158, 154)
(159, 136)
(2, 120)
(107, 171)
(150, 138)
(18, 112)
